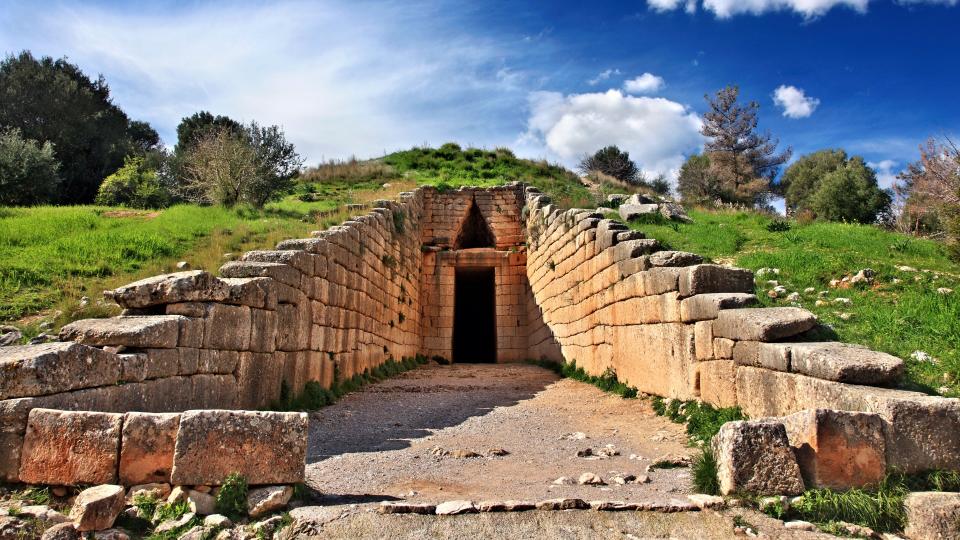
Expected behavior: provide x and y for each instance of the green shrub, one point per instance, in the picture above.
(778, 225)
(28, 170)
(232, 497)
(134, 185)
(704, 469)
(702, 419)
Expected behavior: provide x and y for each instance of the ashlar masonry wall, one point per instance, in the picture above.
(672, 326)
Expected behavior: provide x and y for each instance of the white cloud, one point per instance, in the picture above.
(809, 9)
(341, 78)
(690, 6)
(887, 171)
(794, 102)
(602, 76)
(657, 132)
(647, 83)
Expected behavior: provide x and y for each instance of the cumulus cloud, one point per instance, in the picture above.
(809, 9)
(887, 171)
(341, 78)
(602, 76)
(657, 132)
(794, 102)
(647, 83)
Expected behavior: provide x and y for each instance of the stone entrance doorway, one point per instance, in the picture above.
(474, 315)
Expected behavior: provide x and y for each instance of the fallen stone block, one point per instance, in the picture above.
(299, 259)
(703, 307)
(674, 211)
(762, 324)
(70, 448)
(193, 286)
(263, 447)
(96, 508)
(248, 269)
(932, 515)
(145, 332)
(845, 363)
(755, 457)
(674, 259)
(268, 499)
(146, 448)
(202, 504)
(256, 292)
(50, 368)
(837, 449)
(635, 211)
(454, 508)
(712, 278)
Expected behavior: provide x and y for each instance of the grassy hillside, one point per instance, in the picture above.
(900, 313)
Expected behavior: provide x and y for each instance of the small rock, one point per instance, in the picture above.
(767, 271)
(896, 281)
(59, 491)
(203, 504)
(858, 530)
(183, 265)
(800, 525)
(864, 276)
(178, 494)
(158, 491)
(842, 301)
(173, 524)
(229, 256)
(453, 508)
(705, 502)
(906, 269)
(773, 283)
(42, 513)
(114, 534)
(563, 504)
(62, 531)
(217, 521)
(575, 436)
(590, 479)
(83, 302)
(793, 297)
(464, 454)
(264, 500)
(197, 532)
(823, 294)
(586, 452)
(944, 291)
(267, 527)
(497, 452)
(97, 508)
(608, 451)
(10, 335)
(563, 481)
(40, 339)
(821, 303)
(845, 316)
(438, 452)
(834, 283)
(809, 290)
(642, 479)
(770, 502)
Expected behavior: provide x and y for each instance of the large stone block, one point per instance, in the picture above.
(259, 378)
(932, 515)
(37, 370)
(755, 457)
(634, 211)
(227, 327)
(674, 258)
(301, 260)
(763, 324)
(703, 307)
(70, 448)
(712, 278)
(97, 508)
(146, 447)
(845, 363)
(154, 331)
(193, 286)
(247, 269)
(718, 383)
(838, 449)
(921, 432)
(263, 447)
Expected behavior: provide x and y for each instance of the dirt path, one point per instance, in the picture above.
(401, 438)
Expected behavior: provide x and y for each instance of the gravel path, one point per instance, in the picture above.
(401, 438)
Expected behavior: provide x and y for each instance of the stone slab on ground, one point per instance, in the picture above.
(756, 457)
(49, 368)
(264, 447)
(932, 515)
(71, 448)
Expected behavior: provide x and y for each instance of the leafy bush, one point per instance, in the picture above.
(704, 469)
(612, 161)
(232, 497)
(28, 170)
(134, 185)
(778, 225)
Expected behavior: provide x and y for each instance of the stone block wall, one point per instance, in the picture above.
(672, 326)
(445, 213)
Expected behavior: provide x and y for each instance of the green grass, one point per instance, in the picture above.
(607, 381)
(703, 420)
(897, 318)
(232, 496)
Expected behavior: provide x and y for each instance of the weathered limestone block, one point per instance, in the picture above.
(301, 260)
(837, 449)
(227, 327)
(154, 331)
(146, 447)
(703, 340)
(628, 249)
(264, 447)
(214, 361)
(711, 278)
(922, 432)
(718, 383)
(193, 286)
(755, 457)
(660, 359)
(70, 448)
(634, 211)
(256, 292)
(259, 377)
(763, 324)
(37, 370)
(722, 347)
(96, 508)
(674, 258)
(248, 269)
(703, 307)
(316, 245)
(263, 330)
(661, 280)
(845, 363)
(268, 499)
(932, 515)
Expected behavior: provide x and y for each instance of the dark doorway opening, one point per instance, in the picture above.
(474, 316)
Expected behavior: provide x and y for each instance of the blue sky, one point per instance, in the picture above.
(550, 79)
